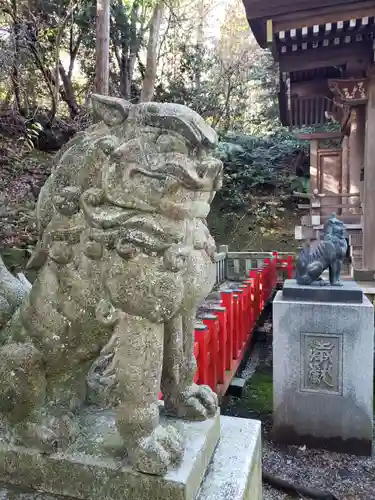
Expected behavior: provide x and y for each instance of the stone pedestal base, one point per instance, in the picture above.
(323, 370)
(235, 472)
(364, 275)
(91, 471)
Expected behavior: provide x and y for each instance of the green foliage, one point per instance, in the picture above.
(180, 87)
(254, 164)
(300, 184)
(33, 130)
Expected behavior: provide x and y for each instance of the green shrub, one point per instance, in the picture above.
(258, 164)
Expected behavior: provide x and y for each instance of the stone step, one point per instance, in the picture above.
(355, 239)
(234, 472)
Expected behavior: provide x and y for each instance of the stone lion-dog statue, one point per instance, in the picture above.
(124, 253)
(327, 253)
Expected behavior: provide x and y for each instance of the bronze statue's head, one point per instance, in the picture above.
(334, 228)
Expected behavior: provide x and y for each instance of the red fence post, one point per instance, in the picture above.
(244, 331)
(262, 289)
(238, 322)
(245, 311)
(266, 281)
(221, 314)
(274, 273)
(290, 266)
(276, 259)
(250, 283)
(202, 336)
(255, 275)
(196, 355)
(212, 323)
(228, 302)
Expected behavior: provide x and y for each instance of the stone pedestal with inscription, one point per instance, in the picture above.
(323, 343)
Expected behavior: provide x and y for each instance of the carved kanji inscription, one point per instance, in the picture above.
(321, 363)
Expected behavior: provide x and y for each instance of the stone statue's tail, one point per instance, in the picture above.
(13, 290)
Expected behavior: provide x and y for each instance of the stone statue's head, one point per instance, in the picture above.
(160, 157)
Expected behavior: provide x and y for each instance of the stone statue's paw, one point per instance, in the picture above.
(162, 449)
(198, 402)
(48, 435)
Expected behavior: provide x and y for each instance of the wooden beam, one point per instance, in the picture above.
(312, 196)
(322, 57)
(331, 14)
(305, 88)
(325, 38)
(318, 136)
(267, 8)
(333, 205)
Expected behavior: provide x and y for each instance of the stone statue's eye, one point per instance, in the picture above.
(169, 144)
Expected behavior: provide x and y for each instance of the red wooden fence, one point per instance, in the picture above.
(226, 330)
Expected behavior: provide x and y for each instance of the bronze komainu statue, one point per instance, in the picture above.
(124, 256)
(325, 254)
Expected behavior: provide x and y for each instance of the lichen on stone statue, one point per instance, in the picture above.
(124, 256)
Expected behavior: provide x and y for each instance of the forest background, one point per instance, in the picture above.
(200, 53)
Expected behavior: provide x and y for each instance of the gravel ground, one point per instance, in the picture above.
(347, 477)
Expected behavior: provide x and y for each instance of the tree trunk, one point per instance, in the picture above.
(199, 43)
(125, 81)
(59, 37)
(68, 94)
(16, 60)
(102, 47)
(151, 64)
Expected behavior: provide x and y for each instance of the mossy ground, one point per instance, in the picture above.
(256, 400)
(257, 396)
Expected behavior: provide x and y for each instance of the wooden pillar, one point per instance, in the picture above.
(356, 153)
(314, 177)
(344, 173)
(359, 144)
(368, 225)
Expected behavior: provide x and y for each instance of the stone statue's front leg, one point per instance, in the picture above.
(183, 398)
(138, 364)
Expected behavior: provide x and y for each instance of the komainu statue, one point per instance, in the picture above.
(124, 255)
(328, 254)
